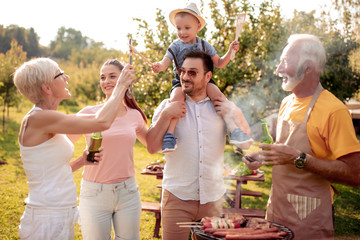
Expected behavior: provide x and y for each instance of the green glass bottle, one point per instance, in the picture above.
(95, 144)
(266, 137)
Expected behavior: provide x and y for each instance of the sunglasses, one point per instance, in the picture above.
(191, 73)
(59, 74)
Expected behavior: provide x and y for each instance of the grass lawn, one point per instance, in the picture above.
(14, 189)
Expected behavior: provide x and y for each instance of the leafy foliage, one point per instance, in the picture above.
(249, 80)
(27, 38)
(339, 77)
(150, 89)
(8, 63)
(67, 40)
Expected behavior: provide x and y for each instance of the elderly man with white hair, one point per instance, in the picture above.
(316, 145)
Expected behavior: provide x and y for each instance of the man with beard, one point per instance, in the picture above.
(315, 145)
(193, 185)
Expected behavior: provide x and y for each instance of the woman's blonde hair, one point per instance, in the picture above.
(30, 76)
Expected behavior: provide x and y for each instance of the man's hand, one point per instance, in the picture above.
(257, 163)
(277, 154)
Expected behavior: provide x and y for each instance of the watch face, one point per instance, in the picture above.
(300, 163)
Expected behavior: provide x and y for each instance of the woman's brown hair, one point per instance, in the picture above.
(129, 102)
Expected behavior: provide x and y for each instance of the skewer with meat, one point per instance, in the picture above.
(220, 223)
(213, 222)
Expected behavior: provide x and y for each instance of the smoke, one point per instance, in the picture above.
(262, 99)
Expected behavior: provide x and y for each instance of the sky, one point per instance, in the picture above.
(107, 21)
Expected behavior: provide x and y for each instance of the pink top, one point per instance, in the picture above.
(118, 143)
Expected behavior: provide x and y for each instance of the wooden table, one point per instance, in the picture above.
(154, 207)
(238, 192)
(158, 175)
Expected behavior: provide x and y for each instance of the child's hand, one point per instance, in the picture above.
(234, 46)
(223, 106)
(156, 67)
(175, 109)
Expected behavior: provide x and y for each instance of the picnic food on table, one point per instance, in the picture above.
(157, 166)
(235, 166)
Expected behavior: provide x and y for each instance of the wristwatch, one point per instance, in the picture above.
(300, 161)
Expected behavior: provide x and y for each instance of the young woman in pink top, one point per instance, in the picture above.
(109, 193)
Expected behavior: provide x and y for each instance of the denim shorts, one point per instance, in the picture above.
(48, 223)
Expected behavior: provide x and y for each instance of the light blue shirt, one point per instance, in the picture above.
(194, 171)
(180, 49)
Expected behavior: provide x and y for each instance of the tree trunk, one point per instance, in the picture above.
(3, 122)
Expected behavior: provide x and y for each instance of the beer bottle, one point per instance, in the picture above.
(266, 137)
(95, 144)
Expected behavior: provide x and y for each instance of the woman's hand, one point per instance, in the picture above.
(81, 161)
(127, 76)
(98, 157)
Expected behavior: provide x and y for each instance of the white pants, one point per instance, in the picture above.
(103, 204)
(45, 223)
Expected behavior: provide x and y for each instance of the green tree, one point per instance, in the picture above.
(33, 43)
(259, 44)
(25, 37)
(8, 63)
(66, 41)
(349, 10)
(150, 89)
(251, 75)
(94, 53)
(338, 77)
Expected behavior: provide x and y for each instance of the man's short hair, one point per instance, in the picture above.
(206, 58)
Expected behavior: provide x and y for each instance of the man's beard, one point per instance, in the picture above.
(292, 82)
(194, 88)
(188, 90)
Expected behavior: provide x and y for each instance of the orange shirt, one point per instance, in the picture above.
(330, 129)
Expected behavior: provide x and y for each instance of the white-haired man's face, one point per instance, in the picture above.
(290, 68)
